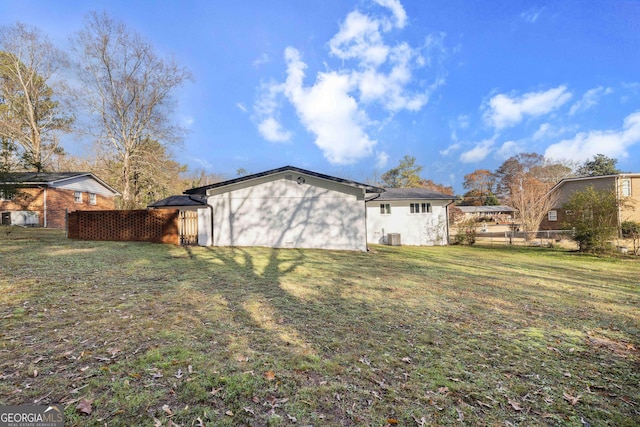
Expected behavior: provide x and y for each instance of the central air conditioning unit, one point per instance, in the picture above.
(393, 239)
(21, 218)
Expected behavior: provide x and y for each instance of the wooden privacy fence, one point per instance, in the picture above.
(157, 226)
(188, 228)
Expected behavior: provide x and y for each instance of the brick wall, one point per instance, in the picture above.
(58, 201)
(157, 226)
(558, 224)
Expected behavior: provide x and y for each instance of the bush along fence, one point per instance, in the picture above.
(156, 226)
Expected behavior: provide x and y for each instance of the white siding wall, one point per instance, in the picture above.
(204, 227)
(417, 229)
(274, 211)
(85, 184)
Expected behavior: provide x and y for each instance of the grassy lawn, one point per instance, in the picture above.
(128, 334)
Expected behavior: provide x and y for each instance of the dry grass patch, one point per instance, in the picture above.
(159, 335)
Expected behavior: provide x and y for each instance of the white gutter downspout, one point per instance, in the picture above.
(366, 219)
(45, 208)
(619, 203)
(446, 212)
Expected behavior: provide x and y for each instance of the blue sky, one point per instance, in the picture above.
(350, 87)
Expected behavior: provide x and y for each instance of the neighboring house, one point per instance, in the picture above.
(626, 186)
(418, 215)
(498, 214)
(43, 199)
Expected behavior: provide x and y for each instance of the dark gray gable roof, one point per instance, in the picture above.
(177, 201)
(203, 190)
(391, 194)
(486, 209)
(48, 178)
(40, 177)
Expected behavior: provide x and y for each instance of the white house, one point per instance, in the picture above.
(291, 207)
(418, 215)
(288, 207)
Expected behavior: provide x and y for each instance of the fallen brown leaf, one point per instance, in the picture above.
(573, 400)
(84, 406)
(515, 405)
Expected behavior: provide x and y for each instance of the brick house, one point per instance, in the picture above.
(43, 198)
(626, 186)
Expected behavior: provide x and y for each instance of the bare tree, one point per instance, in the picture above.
(128, 89)
(31, 100)
(530, 196)
(524, 181)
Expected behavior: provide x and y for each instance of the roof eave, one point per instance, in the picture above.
(203, 190)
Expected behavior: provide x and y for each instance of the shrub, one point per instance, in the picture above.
(594, 221)
(631, 230)
(466, 232)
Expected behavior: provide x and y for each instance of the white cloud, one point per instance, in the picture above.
(531, 15)
(589, 99)
(327, 110)
(382, 160)
(261, 60)
(450, 149)
(202, 162)
(390, 89)
(463, 121)
(505, 111)
(547, 131)
(397, 9)
(479, 152)
(266, 112)
(272, 130)
(373, 71)
(241, 107)
(542, 131)
(509, 149)
(360, 38)
(612, 143)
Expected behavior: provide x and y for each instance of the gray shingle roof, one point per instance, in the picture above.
(412, 194)
(203, 190)
(39, 177)
(182, 200)
(486, 209)
(48, 178)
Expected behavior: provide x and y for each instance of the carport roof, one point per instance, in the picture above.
(177, 201)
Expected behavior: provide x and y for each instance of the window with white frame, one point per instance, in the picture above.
(553, 215)
(93, 199)
(385, 209)
(77, 197)
(625, 187)
(415, 208)
(7, 194)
